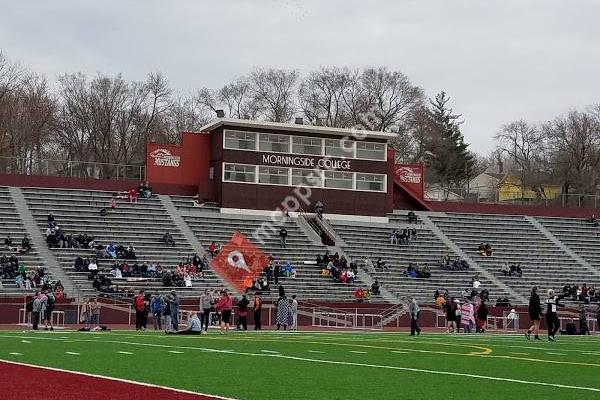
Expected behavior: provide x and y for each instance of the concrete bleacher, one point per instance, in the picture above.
(372, 240)
(209, 225)
(515, 241)
(579, 235)
(141, 224)
(10, 223)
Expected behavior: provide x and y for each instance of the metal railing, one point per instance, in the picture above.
(71, 169)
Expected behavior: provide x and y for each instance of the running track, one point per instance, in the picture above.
(28, 382)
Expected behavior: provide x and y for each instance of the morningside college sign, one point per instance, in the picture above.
(306, 162)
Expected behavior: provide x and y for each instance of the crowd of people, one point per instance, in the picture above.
(456, 264)
(417, 271)
(337, 267)
(583, 292)
(23, 248)
(485, 249)
(403, 236)
(512, 270)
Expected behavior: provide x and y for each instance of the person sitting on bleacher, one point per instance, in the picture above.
(145, 190)
(111, 250)
(505, 269)
(592, 220)
(51, 221)
(92, 268)
(375, 288)
(381, 264)
(129, 252)
(393, 237)
(8, 242)
(412, 217)
(25, 245)
(423, 272)
(214, 248)
(116, 272)
(516, 270)
(167, 239)
(411, 271)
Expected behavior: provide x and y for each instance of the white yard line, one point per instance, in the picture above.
(175, 351)
(72, 353)
(125, 352)
(357, 352)
(270, 351)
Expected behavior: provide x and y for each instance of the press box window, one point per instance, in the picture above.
(338, 180)
(370, 182)
(273, 175)
(339, 148)
(307, 177)
(371, 151)
(274, 143)
(238, 140)
(306, 145)
(239, 173)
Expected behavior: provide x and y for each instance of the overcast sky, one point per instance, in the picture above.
(499, 60)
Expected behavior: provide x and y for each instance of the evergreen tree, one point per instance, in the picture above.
(448, 160)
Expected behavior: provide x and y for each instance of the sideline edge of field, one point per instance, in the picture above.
(114, 379)
(319, 361)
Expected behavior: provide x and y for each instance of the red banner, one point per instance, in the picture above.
(239, 262)
(410, 176)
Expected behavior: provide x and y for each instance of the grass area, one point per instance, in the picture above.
(311, 365)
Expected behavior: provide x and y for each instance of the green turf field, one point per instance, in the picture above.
(310, 365)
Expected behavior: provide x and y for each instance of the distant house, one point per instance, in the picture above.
(484, 187)
(510, 188)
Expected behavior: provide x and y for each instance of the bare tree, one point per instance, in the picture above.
(273, 90)
(321, 97)
(391, 98)
(526, 148)
(160, 100)
(575, 144)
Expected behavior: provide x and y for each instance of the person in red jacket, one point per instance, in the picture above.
(140, 307)
(224, 306)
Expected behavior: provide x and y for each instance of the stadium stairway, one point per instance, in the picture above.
(11, 223)
(514, 240)
(371, 240)
(209, 226)
(141, 224)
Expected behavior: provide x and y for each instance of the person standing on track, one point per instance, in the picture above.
(450, 310)
(294, 312)
(140, 306)
(257, 308)
(224, 306)
(552, 314)
(414, 311)
(174, 311)
(535, 314)
(206, 303)
(243, 313)
(156, 305)
(48, 312)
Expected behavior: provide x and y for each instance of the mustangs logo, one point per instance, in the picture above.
(164, 158)
(408, 175)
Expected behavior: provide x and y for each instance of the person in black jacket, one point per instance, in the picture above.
(535, 314)
(552, 314)
(243, 313)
